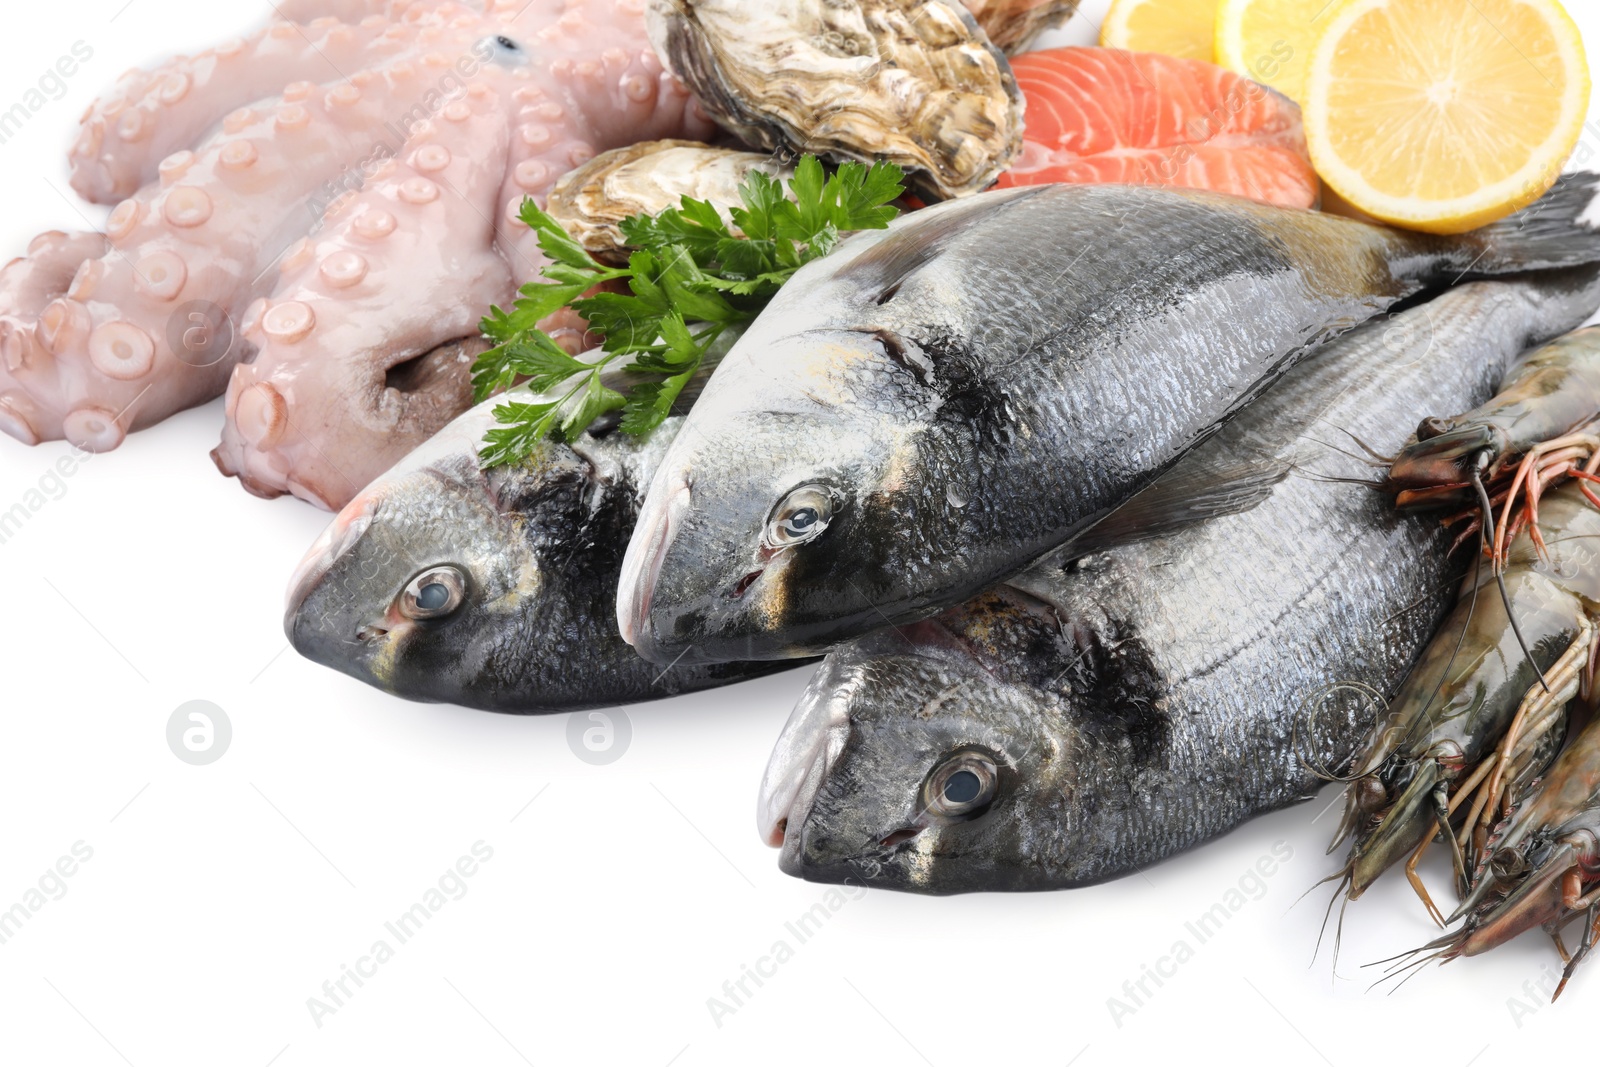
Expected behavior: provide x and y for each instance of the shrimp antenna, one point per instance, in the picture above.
(1343, 875)
(1334, 479)
(1487, 534)
(1375, 460)
(1368, 449)
(1472, 605)
(1314, 764)
(1414, 968)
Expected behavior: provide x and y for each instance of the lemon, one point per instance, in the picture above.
(1439, 119)
(1181, 28)
(1271, 40)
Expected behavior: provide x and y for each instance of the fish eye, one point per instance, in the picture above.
(434, 593)
(507, 43)
(962, 785)
(800, 517)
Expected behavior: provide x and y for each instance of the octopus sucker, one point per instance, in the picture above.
(150, 115)
(188, 253)
(370, 332)
(324, 210)
(341, 231)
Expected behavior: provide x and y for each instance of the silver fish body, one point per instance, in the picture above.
(935, 407)
(491, 589)
(1100, 718)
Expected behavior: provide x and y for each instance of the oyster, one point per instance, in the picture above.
(911, 81)
(648, 178)
(1013, 24)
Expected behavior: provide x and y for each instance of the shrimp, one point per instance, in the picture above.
(1476, 721)
(1541, 867)
(1542, 428)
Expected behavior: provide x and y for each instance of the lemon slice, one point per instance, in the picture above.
(1439, 119)
(1271, 40)
(1183, 28)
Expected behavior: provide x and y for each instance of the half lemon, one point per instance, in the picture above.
(1443, 118)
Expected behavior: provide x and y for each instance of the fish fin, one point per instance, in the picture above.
(1548, 233)
(1185, 496)
(885, 266)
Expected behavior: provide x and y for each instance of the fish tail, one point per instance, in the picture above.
(1549, 233)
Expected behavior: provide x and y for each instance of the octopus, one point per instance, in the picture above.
(313, 220)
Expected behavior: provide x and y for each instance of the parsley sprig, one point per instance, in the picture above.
(690, 277)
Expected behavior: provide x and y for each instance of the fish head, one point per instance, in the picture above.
(446, 582)
(903, 770)
(400, 588)
(807, 538)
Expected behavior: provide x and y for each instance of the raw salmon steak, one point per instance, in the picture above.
(1107, 115)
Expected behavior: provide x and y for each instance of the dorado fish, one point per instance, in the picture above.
(937, 406)
(493, 589)
(1077, 723)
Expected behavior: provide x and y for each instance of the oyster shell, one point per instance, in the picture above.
(648, 178)
(912, 81)
(1013, 24)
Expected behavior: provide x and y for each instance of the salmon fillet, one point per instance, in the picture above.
(1108, 115)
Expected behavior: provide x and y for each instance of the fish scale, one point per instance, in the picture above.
(537, 546)
(1145, 698)
(969, 347)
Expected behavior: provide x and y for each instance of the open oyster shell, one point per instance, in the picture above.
(1013, 24)
(648, 178)
(912, 81)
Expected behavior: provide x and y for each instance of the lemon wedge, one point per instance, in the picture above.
(1183, 28)
(1439, 118)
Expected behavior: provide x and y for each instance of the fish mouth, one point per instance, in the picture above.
(347, 527)
(641, 570)
(788, 833)
(320, 621)
(807, 746)
(807, 750)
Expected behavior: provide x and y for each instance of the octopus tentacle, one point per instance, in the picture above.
(28, 286)
(343, 10)
(375, 325)
(320, 415)
(114, 354)
(603, 89)
(149, 115)
(363, 346)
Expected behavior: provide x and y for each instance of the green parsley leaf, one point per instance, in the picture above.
(555, 242)
(521, 428)
(589, 403)
(650, 403)
(692, 274)
(859, 198)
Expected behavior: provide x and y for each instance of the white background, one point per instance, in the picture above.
(619, 898)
